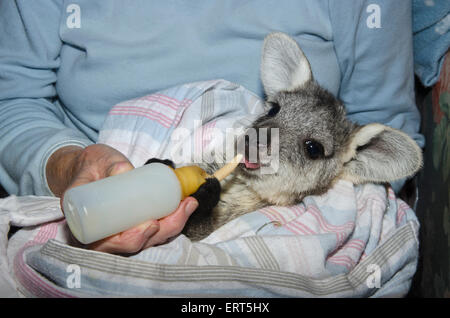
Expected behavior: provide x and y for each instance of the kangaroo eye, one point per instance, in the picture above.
(274, 110)
(314, 149)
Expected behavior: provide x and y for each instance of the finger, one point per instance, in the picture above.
(78, 181)
(93, 173)
(81, 178)
(90, 175)
(173, 224)
(129, 241)
(119, 167)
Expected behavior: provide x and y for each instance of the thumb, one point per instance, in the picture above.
(119, 167)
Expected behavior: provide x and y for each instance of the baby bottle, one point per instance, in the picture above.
(111, 205)
(114, 204)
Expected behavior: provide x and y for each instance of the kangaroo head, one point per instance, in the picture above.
(316, 143)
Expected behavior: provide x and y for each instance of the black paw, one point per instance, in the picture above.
(208, 195)
(167, 162)
(200, 224)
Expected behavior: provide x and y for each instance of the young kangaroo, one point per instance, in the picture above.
(317, 144)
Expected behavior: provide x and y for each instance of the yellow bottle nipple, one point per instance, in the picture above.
(192, 177)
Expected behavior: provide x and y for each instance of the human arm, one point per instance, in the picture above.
(376, 61)
(373, 43)
(32, 124)
(40, 146)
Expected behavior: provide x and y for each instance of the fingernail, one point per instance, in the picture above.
(191, 207)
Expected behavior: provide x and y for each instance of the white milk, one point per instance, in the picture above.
(108, 206)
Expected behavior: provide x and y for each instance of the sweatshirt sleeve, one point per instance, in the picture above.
(373, 43)
(32, 125)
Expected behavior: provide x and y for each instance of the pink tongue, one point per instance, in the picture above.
(250, 165)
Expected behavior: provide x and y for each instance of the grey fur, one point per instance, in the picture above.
(371, 153)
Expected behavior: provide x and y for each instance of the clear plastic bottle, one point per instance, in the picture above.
(108, 206)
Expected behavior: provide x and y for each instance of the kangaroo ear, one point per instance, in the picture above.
(378, 153)
(284, 67)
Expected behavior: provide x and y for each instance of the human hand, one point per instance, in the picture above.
(73, 166)
(149, 233)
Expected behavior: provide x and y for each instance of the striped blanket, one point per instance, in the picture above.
(353, 241)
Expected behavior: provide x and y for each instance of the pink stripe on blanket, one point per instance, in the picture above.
(27, 277)
(341, 231)
(150, 114)
(343, 255)
(167, 115)
(356, 244)
(173, 99)
(273, 215)
(403, 207)
(391, 194)
(323, 223)
(343, 260)
(159, 99)
(293, 226)
(299, 228)
(298, 209)
(170, 102)
(143, 107)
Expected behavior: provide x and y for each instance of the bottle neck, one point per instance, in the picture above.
(191, 178)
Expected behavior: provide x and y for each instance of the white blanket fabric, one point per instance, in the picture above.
(353, 241)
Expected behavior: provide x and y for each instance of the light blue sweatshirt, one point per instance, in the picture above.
(64, 64)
